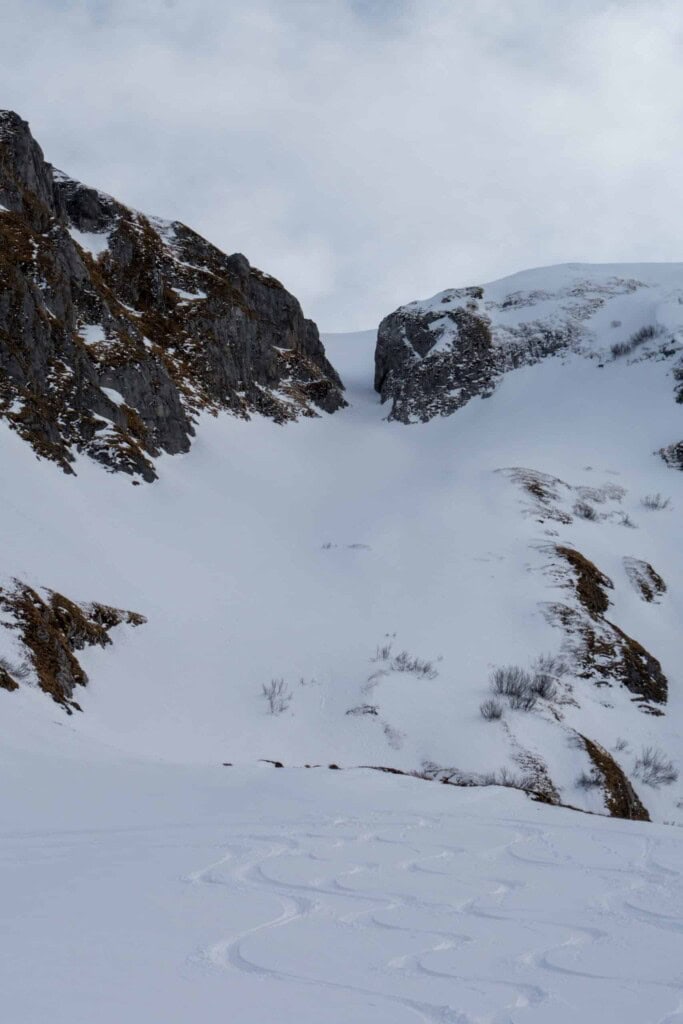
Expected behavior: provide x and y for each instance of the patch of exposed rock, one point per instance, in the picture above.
(117, 329)
(601, 650)
(645, 580)
(44, 632)
(430, 363)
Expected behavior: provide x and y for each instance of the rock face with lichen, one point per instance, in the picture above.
(601, 650)
(45, 630)
(118, 329)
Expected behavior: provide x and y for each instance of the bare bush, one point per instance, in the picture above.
(620, 348)
(515, 684)
(585, 511)
(655, 502)
(364, 709)
(504, 777)
(277, 695)
(621, 744)
(654, 768)
(550, 664)
(624, 348)
(625, 520)
(384, 651)
(404, 662)
(401, 662)
(491, 710)
(589, 780)
(456, 777)
(543, 685)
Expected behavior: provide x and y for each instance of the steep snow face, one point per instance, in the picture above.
(434, 355)
(372, 577)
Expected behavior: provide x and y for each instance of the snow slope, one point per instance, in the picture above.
(295, 552)
(141, 880)
(149, 893)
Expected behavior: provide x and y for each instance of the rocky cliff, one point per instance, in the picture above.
(117, 329)
(435, 355)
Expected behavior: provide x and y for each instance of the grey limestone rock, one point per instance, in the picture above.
(118, 329)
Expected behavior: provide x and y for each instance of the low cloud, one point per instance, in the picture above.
(369, 152)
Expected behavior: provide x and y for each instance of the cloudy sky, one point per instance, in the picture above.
(368, 152)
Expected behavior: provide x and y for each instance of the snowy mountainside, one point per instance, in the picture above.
(364, 580)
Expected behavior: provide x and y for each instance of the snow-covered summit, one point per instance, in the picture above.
(434, 355)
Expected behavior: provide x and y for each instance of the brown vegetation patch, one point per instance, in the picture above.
(621, 799)
(603, 653)
(52, 629)
(590, 582)
(6, 680)
(545, 490)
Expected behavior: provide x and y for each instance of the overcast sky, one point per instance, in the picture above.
(369, 152)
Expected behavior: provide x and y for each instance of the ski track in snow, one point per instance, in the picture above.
(513, 955)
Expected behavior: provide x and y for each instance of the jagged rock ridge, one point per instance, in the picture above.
(117, 329)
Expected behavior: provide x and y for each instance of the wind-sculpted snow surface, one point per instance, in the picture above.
(177, 895)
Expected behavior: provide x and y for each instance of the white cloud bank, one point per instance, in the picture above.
(369, 152)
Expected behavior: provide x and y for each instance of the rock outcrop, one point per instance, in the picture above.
(429, 362)
(434, 356)
(118, 329)
(43, 632)
(601, 651)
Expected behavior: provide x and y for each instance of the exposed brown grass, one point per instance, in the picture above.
(621, 799)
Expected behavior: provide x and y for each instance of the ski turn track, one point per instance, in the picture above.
(164, 895)
(458, 922)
